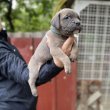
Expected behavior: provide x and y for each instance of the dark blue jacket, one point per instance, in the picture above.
(15, 93)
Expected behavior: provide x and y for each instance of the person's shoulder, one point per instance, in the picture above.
(5, 45)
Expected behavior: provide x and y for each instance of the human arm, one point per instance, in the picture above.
(14, 68)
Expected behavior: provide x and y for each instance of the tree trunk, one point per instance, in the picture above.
(8, 14)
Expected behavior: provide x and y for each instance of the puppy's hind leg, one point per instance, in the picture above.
(31, 82)
(33, 75)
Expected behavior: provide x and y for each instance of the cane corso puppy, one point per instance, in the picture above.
(64, 24)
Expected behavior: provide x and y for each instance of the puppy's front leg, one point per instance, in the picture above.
(56, 52)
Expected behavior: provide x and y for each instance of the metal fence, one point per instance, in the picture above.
(94, 48)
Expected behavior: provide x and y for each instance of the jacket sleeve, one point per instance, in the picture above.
(12, 67)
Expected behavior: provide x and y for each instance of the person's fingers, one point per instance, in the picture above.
(67, 46)
(58, 62)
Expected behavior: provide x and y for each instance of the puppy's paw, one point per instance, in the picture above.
(68, 70)
(32, 87)
(34, 92)
(73, 58)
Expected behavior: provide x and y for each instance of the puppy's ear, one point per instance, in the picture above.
(56, 21)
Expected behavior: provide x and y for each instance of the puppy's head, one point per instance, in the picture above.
(67, 22)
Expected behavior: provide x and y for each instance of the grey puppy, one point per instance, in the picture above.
(65, 23)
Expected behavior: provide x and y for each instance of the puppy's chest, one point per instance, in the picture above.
(59, 41)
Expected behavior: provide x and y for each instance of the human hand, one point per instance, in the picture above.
(66, 48)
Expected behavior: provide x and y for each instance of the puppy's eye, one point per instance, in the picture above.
(66, 17)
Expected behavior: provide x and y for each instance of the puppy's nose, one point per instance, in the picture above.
(78, 23)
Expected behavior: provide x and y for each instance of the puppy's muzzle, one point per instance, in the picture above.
(78, 26)
(78, 23)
